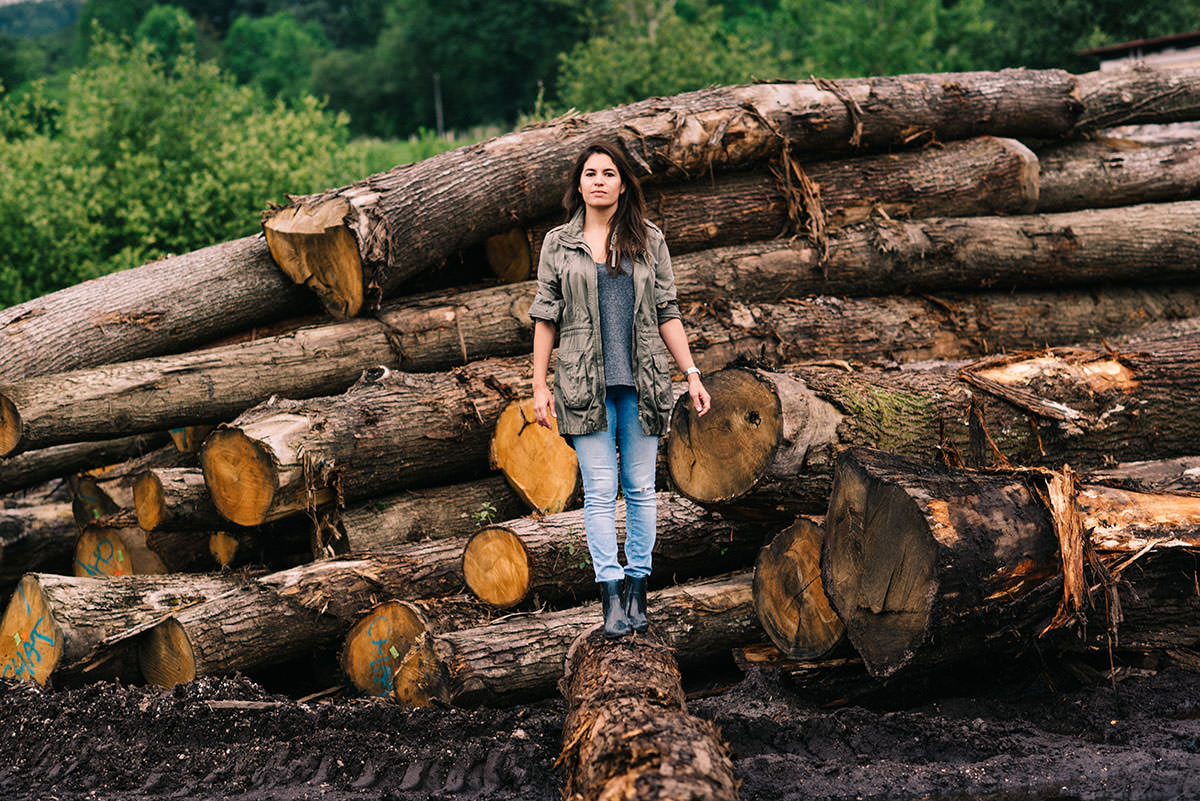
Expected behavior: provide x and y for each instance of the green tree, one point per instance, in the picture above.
(169, 28)
(276, 52)
(146, 161)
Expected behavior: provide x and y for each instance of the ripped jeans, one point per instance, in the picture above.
(623, 453)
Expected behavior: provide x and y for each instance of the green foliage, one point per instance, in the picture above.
(169, 29)
(145, 160)
(38, 17)
(276, 52)
(21, 60)
(485, 515)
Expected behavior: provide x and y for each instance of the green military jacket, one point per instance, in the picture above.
(568, 297)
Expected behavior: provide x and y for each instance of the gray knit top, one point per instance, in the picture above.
(616, 323)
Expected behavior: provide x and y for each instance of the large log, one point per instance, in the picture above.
(507, 563)
(37, 538)
(168, 305)
(628, 734)
(353, 244)
(537, 463)
(455, 510)
(927, 564)
(36, 467)
(388, 432)
(1153, 242)
(766, 447)
(521, 658)
(57, 621)
(288, 613)
(1138, 95)
(175, 498)
(106, 491)
(789, 597)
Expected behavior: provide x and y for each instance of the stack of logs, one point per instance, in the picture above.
(915, 299)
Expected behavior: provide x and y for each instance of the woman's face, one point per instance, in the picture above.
(600, 183)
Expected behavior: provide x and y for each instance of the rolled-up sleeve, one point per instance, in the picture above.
(664, 285)
(548, 302)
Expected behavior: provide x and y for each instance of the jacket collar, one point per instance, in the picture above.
(573, 230)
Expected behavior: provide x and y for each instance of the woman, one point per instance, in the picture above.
(606, 289)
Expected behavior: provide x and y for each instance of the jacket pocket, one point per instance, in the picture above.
(662, 379)
(573, 374)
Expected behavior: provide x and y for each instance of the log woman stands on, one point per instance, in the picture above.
(605, 287)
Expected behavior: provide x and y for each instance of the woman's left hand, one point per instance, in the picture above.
(700, 398)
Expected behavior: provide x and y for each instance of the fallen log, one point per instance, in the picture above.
(175, 498)
(53, 623)
(521, 658)
(789, 596)
(1137, 96)
(1181, 475)
(766, 447)
(117, 546)
(388, 432)
(36, 538)
(168, 305)
(275, 547)
(927, 564)
(107, 491)
(507, 563)
(455, 510)
(377, 643)
(354, 244)
(628, 733)
(537, 463)
(36, 467)
(1152, 242)
(286, 614)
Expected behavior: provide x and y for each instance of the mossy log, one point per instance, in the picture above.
(288, 613)
(927, 564)
(38, 538)
(628, 734)
(521, 658)
(507, 563)
(766, 448)
(37, 467)
(537, 463)
(789, 596)
(388, 432)
(352, 244)
(163, 307)
(53, 623)
(378, 641)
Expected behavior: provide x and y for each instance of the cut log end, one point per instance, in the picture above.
(789, 596)
(539, 465)
(165, 654)
(149, 501)
(240, 475)
(723, 455)
(508, 254)
(878, 567)
(314, 246)
(189, 439)
(496, 567)
(377, 643)
(421, 678)
(31, 642)
(103, 551)
(224, 547)
(10, 426)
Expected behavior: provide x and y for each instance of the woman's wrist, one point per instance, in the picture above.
(690, 372)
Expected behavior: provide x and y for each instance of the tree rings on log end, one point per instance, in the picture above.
(508, 254)
(103, 551)
(377, 643)
(240, 474)
(314, 246)
(537, 463)
(496, 567)
(148, 500)
(165, 654)
(224, 547)
(724, 454)
(31, 642)
(10, 426)
(789, 596)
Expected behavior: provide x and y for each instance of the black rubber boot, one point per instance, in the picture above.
(635, 602)
(615, 622)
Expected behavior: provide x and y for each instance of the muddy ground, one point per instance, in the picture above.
(1027, 736)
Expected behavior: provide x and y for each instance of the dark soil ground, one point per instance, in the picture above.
(1022, 739)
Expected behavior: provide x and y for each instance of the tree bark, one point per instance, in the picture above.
(537, 463)
(766, 447)
(1155, 242)
(1137, 96)
(36, 539)
(286, 614)
(521, 659)
(166, 306)
(108, 491)
(1181, 475)
(377, 643)
(117, 546)
(627, 728)
(59, 620)
(507, 563)
(175, 498)
(36, 467)
(353, 244)
(388, 432)
(455, 510)
(789, 596)
(927, 564)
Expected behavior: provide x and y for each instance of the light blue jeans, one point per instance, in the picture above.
(621, 452)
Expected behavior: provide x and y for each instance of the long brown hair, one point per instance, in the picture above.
(627, 228)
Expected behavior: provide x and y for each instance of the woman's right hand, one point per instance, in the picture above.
(543, 406)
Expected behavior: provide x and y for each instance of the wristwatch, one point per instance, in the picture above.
(690, 370)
